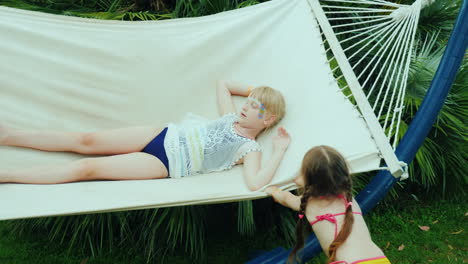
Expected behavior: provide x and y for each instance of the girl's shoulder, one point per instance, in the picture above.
(250, 145)
(317, 206)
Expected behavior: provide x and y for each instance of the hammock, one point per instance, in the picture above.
(75, 74)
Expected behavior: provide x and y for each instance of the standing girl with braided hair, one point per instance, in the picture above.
(328, 208)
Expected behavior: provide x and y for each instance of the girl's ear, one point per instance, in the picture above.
(269, 120)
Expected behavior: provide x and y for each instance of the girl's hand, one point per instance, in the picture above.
(282, 140)
(271, 189)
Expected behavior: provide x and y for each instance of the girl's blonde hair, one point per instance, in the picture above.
(273, 101)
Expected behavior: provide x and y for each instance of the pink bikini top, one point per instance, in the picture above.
(332, 217)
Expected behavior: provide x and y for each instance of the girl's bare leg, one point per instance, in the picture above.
(133, 166)
(116, 141)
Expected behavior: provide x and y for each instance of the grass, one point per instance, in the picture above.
(444, 242)
(395, 228)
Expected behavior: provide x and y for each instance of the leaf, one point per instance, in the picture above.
(387, 245)
(457, 232)
(466, 214)
(424, 228)
(401, 247)
(245, 220)
(415, 197)
(450, 247)
(435, 222)
(84, 261)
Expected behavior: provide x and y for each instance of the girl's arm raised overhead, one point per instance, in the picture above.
(257, 176)
(224, 91)
(284, 198)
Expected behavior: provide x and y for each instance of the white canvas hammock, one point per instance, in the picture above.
(76, 74)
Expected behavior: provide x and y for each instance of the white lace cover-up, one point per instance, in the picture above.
(198, 146)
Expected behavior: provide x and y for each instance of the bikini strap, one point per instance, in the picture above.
(331, 218)
(342, 197)
(328, 217)
(346, 202)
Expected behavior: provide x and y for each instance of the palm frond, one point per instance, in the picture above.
(439, 16)
(437, 164)
(245, 222)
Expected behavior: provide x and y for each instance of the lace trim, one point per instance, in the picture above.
(256, 148)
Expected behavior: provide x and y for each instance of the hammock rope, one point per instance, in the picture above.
(384, 33)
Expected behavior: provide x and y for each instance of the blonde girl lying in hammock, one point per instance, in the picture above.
(147, 152)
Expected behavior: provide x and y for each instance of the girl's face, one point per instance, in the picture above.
(253, 114)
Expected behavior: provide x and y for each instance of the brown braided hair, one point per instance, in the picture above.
(325, 173)
(301, 223)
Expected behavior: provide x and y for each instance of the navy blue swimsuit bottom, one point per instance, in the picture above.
(156, 148)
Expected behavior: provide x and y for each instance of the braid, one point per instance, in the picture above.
(345, 229)
(325, 173)
(300, 225)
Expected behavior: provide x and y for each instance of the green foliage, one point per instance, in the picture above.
(286, 224)
(264, 215)
(439, 16)
(439, 168)
(158, 232)
(130, 10)
(245, 222)
(190, 8)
